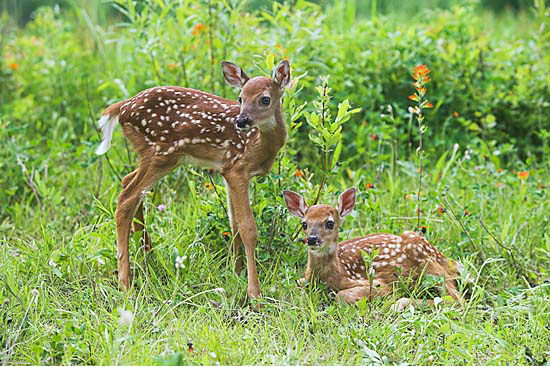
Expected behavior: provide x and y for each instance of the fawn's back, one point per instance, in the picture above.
(165, 121)
(405, 255)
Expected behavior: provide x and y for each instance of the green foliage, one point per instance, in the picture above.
(59, 302)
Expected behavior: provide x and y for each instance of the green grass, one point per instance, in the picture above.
(69, 312)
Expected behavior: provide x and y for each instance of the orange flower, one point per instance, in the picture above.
(500, 185)
(14, 66)
(414, 97)
(209, 186)
(198, 28)
(500, 170)
(466, 213)
(409, 197)
(299, 173)
(455, 114)
(373, 137)
(369, 185)
(441, 209)
(428, 105)
(279, 46)
(523, 175)
(420, 71)
(173, 66)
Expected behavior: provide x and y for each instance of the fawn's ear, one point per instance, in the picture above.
(281, 74)
(346, 201)
(234, 75)
(295, 203)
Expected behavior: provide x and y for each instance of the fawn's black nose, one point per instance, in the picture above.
(312, 240)
(243, 121)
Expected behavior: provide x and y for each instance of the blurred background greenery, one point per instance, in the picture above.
(21, 10)
(62, 61)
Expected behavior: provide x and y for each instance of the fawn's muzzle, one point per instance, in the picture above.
(243, 121)
(313, 241)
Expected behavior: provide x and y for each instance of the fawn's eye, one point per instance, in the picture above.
(265, 101)
(240, 100)
(330, 224)
(304, 225)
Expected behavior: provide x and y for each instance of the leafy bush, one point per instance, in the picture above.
(489, 95)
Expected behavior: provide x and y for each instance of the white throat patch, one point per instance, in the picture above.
(268, 124)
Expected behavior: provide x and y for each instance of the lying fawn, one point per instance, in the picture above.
(168, 126)
(341, 265)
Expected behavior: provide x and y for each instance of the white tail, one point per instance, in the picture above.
(107, 125)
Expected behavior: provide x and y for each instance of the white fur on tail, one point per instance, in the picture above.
(107, 125)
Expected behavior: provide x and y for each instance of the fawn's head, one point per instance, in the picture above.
(260, 97)
(320, 222)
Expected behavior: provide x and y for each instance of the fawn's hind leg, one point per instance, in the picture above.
(138, 225)
(403, 302)
(446, 269)
(449, 269)
(129, 200)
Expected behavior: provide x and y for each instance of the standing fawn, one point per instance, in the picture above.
(168, 126)
(341, 265)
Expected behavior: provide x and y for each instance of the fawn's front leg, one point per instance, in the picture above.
(352, 295)
(236, 239)
(379, 288)
(238, 185)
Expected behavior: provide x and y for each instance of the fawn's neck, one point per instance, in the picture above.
(273, 135)
(325, 263)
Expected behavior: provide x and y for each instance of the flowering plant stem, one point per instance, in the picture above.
(420, 168)
(420, 75)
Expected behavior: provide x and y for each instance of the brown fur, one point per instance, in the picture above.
(170, 125)
(342, 267)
